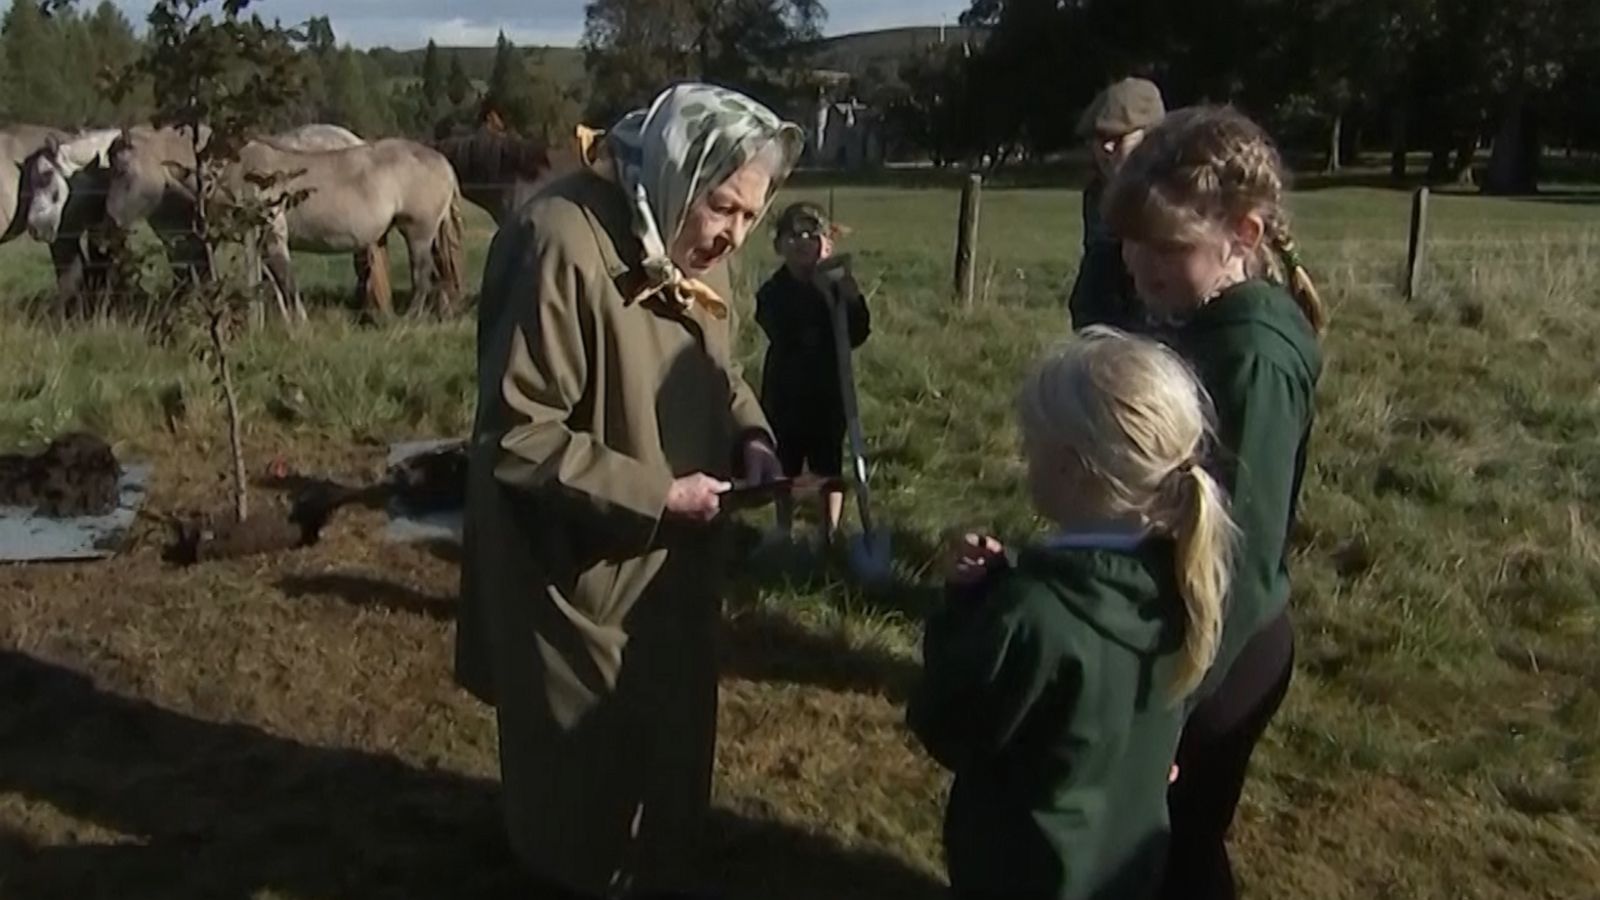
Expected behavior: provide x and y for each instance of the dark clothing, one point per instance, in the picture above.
(1047, 696)
(1103, 293)
(1213, 758)
(800, 389)
(816, 445)
(1258, 356)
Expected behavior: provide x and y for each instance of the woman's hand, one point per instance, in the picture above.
(760, 462)
(973, 557)
(696, 497)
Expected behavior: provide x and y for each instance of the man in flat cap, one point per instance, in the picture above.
(1113, 125)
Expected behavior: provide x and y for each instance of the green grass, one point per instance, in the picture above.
(286, 727)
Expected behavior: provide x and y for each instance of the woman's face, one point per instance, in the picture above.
(718, 224)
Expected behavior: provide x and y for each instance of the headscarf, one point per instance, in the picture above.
(667, 157)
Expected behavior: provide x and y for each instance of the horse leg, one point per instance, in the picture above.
(420, 248)
(282, 272)
(280, 249)
(253, 269)
(67, 257)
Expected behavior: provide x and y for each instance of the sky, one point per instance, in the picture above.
(411, 23)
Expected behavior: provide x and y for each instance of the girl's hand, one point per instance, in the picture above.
(973, 557)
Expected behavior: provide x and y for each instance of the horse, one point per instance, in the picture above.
(372, 263)
(72, 260)
(500, 171)
(69, 180)
(354, 196)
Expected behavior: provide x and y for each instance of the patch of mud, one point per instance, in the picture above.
(75, 476)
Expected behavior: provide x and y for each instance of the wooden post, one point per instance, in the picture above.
(967, 238)
(1416, 254)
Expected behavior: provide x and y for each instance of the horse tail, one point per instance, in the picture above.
(449, 252)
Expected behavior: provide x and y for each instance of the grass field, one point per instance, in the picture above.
(287, 728)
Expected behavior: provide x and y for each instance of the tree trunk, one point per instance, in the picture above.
(1513, 163)
(219, 347)
(1399, 143)
(1439, 169)
(1466, 154)
(1350, 144)
(1335, 144)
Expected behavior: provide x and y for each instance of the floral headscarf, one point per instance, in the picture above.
(669, 156)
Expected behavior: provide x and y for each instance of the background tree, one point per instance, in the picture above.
(458, 87)
(633, 48)
(223, 78)
(33, 47)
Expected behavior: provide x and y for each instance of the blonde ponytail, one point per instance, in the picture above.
(1133, 413)
(1198, 521)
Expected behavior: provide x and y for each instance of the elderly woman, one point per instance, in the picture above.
(610, 418)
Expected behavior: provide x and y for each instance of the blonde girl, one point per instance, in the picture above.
(1199, 206)
(1055, 690)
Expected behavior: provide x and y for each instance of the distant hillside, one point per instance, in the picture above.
(857, 54)
(884, 50)
(564, 64)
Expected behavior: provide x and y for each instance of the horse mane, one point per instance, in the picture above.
(486, 157)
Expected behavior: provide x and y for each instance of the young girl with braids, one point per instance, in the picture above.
(1055, 689)
(1199, 206)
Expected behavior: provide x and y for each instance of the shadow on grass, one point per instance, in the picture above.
(229, 811)
(362, 590)
(762, 643)
(759, 645)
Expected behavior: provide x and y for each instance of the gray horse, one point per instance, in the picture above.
(354, 196)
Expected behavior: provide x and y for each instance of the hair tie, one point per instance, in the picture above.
(1290, 254)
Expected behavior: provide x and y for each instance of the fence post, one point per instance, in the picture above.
(967, 238)
(1416, 254)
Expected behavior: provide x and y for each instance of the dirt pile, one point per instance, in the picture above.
(75, 476)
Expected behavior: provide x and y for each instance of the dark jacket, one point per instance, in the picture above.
(800, 379)
(1048, 697)
(1103, 293)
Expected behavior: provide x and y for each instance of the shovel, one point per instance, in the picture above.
(869, 551)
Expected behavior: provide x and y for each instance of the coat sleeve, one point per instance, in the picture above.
(1261, 415)
(547, 375)
(987, 662)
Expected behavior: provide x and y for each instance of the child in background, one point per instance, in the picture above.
(1199, 205)
(1055, 691)
(800, 387)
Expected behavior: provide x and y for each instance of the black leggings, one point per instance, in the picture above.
(1213, 756)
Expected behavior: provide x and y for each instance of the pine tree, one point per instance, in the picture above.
(459, 87)
(32, 51)
(433, 86)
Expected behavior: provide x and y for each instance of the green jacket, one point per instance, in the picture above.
(1257, 355)
(1103, 293)
(1047, 696)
